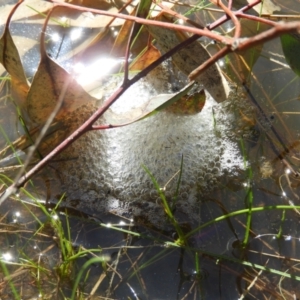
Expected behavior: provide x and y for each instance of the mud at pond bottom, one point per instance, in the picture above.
(102, 171)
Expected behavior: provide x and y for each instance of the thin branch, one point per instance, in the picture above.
(247, 43)
(256, 19)
(198, 31)
(175, 14)
(232, 16)
(221, 53)
(278, 29)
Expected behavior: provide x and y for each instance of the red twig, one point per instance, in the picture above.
(230, 4)
(232, 16)
(247, 43)
(255, 18)
(198, 31)
(194, 74)
(242, 10)
(179, 16)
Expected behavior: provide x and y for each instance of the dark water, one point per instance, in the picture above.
(213, 264)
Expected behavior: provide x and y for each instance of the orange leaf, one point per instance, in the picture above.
(148, 57)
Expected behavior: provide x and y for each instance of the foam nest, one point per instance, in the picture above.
(103, 170)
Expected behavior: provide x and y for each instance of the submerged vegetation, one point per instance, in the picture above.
(163, 193)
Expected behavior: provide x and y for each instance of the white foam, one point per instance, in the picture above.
(108, 164)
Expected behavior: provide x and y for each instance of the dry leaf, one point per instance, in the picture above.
(46, 88)
(20, 88)
(189, 58)
(133, 34)
(147, 58)
(10, 59)
(19, 92)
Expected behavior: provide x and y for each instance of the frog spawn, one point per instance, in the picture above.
(103, 170)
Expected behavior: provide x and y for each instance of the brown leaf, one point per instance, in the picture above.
(148, 57)
(9, 57)
(122, 37)
(46, 89)
(19, 92)
(139, 35)
(189, 58)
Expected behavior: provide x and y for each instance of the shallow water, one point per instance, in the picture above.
(103, 177)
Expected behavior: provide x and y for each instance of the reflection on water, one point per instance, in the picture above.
(245, 149)
(90, 74)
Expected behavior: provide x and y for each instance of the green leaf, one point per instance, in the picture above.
(291, 48)
(143, 8)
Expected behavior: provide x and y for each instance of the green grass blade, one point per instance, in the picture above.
(240, 212)
(167, 209)
(178, 184)
(6, 273)
(91, 261)
(249, 195)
